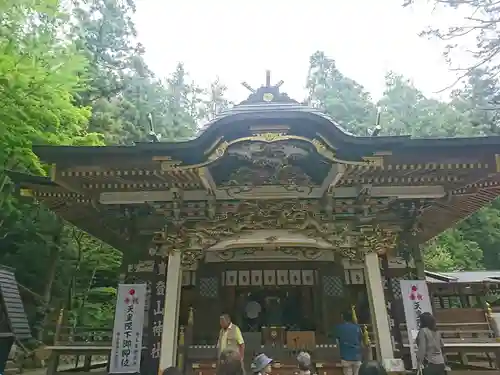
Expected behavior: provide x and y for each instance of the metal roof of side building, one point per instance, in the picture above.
(492, 276)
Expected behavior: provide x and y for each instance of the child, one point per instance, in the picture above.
(305, 364)
(261, 365)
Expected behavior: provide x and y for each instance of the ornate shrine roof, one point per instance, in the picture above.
(270, 163)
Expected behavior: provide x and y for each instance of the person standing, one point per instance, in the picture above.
(350, 340)
(230, 337)
(430, 356)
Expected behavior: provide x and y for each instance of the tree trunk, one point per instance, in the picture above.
(47, 292)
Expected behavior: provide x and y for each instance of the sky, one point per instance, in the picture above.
(238, 40)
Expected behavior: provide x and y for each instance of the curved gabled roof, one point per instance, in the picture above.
(267, 108)
(458, 176)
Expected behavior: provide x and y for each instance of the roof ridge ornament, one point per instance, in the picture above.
(378, 128)
(266, 93)
(153, 136)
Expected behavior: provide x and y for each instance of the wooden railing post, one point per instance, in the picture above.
(181, 349)
(492, 324)
(60, 320)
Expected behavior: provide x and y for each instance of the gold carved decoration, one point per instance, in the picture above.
(167, 163)
(376, 161)
(253, 176)
(191, 257)
(309, 254)
(378, 239)
(270, 137)
(233, 220)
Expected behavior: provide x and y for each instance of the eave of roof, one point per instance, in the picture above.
(232, 124)
(93, 227)
(26, 178)
(463, 277)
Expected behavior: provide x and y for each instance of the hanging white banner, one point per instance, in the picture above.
(127, 332)
(416, 301)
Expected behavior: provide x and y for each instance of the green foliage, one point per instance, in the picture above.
(81, 78)
(452, 250)
(478, 33)
(340, 96)
(72, 79)
(39, 75)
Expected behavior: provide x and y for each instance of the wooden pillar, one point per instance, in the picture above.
(171, 311)
(154, 328)
(419, 262)
(380, 318)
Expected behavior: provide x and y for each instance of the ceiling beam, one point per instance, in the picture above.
(400, 192)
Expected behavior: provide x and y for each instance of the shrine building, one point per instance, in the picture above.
(273, 214)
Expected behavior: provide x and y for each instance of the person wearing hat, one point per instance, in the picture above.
(261, 364)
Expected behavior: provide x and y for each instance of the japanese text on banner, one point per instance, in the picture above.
(128, 327)
(416, 301)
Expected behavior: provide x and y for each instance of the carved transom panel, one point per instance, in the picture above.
(254, 163)
(346, 234)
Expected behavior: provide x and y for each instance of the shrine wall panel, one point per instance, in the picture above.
(333, 291)
(207, 304)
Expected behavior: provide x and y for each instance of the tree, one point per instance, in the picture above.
(406, 111)
(84, 84)
(479, 33)
(104, 32)
(216, 100)
(41, 74)
(339, 96)
(122, 90)
(476, 102)
(453, 251)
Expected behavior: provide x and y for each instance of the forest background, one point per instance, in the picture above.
(78, 76)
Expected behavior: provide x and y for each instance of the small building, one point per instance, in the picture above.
(273, 214)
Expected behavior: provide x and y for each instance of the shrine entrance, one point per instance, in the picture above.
(275, 296)
(304, 290)
(283, 306)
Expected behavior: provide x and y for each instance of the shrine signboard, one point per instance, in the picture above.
(128, 328)
(416, 301)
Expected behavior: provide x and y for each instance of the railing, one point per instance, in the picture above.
(83, 335)
(465, 344)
